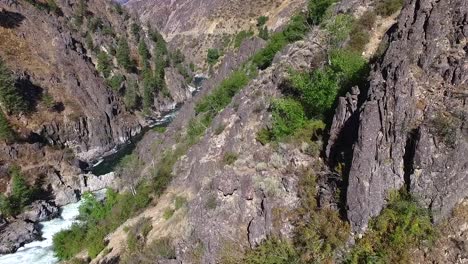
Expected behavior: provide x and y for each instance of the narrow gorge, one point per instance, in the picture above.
(215, 131)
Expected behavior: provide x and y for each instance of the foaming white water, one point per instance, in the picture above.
(40, 252)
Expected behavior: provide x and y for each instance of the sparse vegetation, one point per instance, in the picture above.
(230, 157)
(317, 10)
(241, 36)
(399, 228)
(388, 7)
(445, 126)
(272, 251)
(116, 81)
(6, 132)
(123, 55)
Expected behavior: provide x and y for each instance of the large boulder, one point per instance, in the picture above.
(16, 234)
(39, 211)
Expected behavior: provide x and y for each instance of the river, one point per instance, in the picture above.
(41, 252)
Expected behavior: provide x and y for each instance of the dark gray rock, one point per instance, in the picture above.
(39, 211)
(16, 235)
(421, 76)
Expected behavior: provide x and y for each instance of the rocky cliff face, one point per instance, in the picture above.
(196, 26)
(53, 54)
(411, 126)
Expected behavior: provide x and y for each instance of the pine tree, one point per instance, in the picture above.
(6, 133)
(10, 97)
(144, 53)
(123, 55)
(130, 98)
(21, 193)
(104, 64)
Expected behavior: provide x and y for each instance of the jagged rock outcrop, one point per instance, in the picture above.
(412, 126)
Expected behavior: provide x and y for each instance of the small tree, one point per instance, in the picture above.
(144, 53)
(317, 10)
(123, 55)
(213, 56)
(104, 64)
(263, 33)
(6, 133)
(261, 21)
(130, 98)
(10, 97)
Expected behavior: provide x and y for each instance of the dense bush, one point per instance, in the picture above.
(399, 228)
(104, 63)
(97, 220)
(10, 98)
(130, 97)
(115, 82)
(350, 68)
(317, 10)
(288, 116)
(212, 56)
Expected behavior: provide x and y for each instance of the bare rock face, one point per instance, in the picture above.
(412, 126)
(16, 234)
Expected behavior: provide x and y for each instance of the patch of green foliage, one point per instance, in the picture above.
(6, 132)
(445, 126)
(21, 194)
(230, 157)
(213, 56)
(97, 220)
(104, 63)
(179, 202)
(261, 21)
(168, 213)
(288, 116)
(49, 6)
(115, 82)
(317, 10)
(399, 228)
(241, 36)
(222, 95)
(130, 97)
(10, 97)
(123, 55)
(338, 28)
(272, 251)
(388, 7)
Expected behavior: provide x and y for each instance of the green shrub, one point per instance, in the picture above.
(263, 33)
(229, 158)
(317, 10)
(212, 56)
(68, 243)
(445, 126)
(104, 64)
(392, 236)
(168, 213)
(316, 91)
(130, 97)
(261, 21)
(179, 202)
(288, 115)
(350, 68)
(358, 39)
(10, 97)
(264, 57)
(223, 94)
(21, 194)
(123, 55)
(241, 36)
(6, 132)
(388, 7)
(272, 251)
(339, 28)
(264, 136)
(115, 82)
